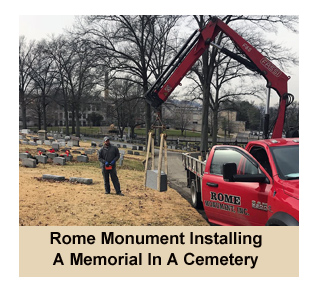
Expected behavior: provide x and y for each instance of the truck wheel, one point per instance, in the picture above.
(195, 197)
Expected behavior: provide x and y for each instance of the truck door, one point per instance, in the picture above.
(234, 203)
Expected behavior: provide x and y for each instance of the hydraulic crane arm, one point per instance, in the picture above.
(196, 45)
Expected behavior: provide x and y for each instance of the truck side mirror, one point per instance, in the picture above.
(229, 170)
(230, 175)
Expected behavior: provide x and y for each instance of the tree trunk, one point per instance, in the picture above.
(204, 129)
(23, 109)
(44, 112)
(215, 125)
(66, 111)
(39, 119)
(73, 127)
(147, 119)
(77, 114)
(66, 120)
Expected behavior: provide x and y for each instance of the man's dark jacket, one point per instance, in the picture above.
(108, 154)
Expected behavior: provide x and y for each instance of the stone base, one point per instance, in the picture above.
(151, 180)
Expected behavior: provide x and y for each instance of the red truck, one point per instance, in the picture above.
(258, 185)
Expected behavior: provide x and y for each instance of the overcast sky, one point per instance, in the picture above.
(43, 26)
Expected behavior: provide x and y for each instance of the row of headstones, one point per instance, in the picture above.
(29, 161)
(133, 152)
(140, 148)
(49, 142)
(56, 147)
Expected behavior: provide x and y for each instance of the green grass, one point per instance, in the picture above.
(94, 130)
(131, 164)
(170, 132)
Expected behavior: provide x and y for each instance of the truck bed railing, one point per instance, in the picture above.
(193, 164)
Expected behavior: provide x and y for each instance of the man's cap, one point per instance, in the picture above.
(106, 139)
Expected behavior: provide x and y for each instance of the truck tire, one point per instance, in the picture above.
(282, 219)
(195, 197)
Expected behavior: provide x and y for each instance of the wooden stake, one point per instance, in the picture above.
(160, 162)
(166, 162)
(153, 153)
(147, 156)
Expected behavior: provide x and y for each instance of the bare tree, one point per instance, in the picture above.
(62, 55)
(79, 75)
(134, 42)
(43, 77)
(26, 59)
(126, 105)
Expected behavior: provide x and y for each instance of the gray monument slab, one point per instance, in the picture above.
(82, 158)
(68, 158)
(29, 162)
(53, 177)
(24, 155)
(59, 160)
(151, 180)
(81, 180)
(55, 146)
(41, 158)
(51, 155)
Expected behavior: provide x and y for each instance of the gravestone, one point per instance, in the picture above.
(41, 158)
(53, 177)
(151, 180)
(75, 141)
(68, 158)
(82, 158)
(55, 146)
(59, 160)
(51, 155)
(122, 152)
(81, 180)
(89, 151)
(29, 162)
(42, 135)
(24, 155)
(25, 131)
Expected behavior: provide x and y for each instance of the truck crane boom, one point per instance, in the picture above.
(197, 44)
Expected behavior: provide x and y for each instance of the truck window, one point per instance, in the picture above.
(286, 159)
(222, 156)
(260, 154)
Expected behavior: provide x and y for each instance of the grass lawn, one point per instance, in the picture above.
(95, 130)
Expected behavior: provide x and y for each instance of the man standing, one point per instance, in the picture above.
(108, 155)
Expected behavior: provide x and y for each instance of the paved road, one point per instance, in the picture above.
(177, 179)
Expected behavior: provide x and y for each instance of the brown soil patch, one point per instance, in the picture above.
(72, 204)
